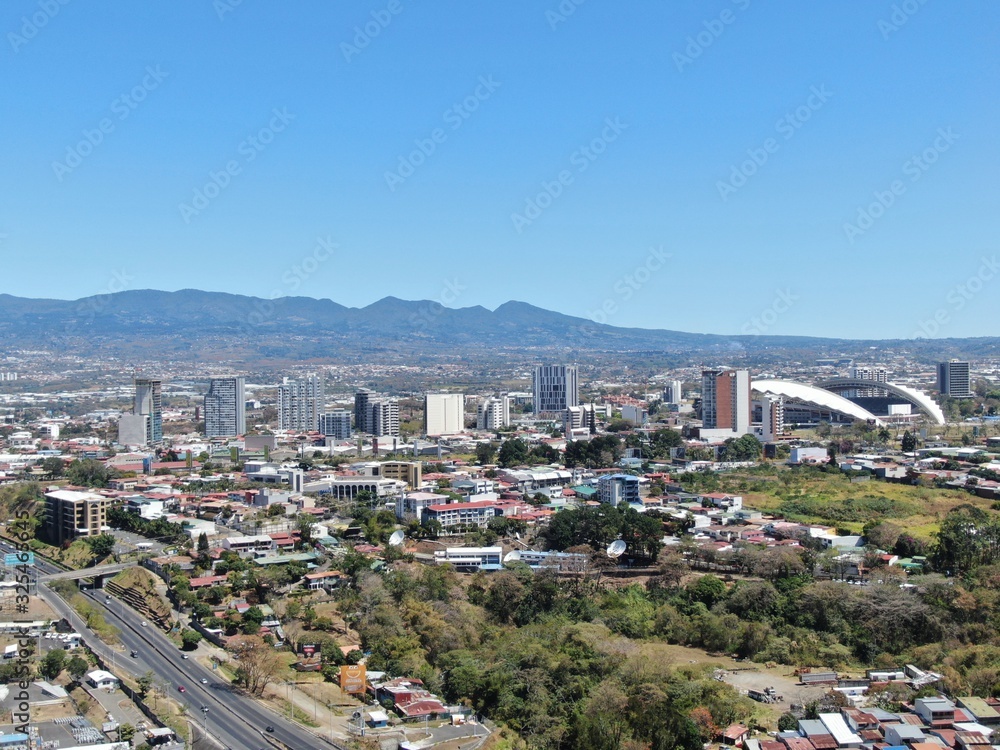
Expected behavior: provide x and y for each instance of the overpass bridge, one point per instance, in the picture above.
(98, 573)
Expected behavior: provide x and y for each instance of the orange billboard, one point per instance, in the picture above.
(352, 678)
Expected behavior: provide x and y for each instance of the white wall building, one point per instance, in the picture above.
(300, 401)
(494, 413)
(444, 414)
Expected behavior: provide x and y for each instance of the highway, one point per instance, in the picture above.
(237, 721)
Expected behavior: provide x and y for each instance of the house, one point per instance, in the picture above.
(735, 734)
(936, 712)
(980, 711)
(329, 579)
(903, 734)
(102, 679)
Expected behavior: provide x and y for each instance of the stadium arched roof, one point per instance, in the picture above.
(813, 396)
(911, 395)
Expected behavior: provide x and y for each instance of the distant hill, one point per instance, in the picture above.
(196, 324)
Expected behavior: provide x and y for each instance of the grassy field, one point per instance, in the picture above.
(833, 499)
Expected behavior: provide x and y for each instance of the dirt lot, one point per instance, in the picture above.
(744, 675)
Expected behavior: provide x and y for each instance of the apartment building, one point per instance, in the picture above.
(336, 424)
(300, 401)
(725, 402)
(462, 514)
(955, 379)
(444, 414)
(70, 514)
(225, 408)
(493, 413)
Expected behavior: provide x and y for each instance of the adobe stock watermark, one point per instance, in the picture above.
(786, 127)
(761, 323)
(292, 279)
(33, 24)
(713, 29)
(120, 107)
(224, 7)
(89, 308)
(915, 167)
(454, 117)
(899, 17)
(430, 312)
(581, 159)
(249, 149)
(364, 34)
(627, 285)
(958, 297)
(562, 12)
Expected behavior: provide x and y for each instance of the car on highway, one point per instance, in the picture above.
(269, 728)
(135, 653)
(184, 656)
(182, 689)
(144, 623)
(204, 681)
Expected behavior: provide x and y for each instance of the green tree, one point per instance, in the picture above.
(202, 543)
(77, 668)
(513, 452)
(126, 733)
(53, 466)
(486, 453)
(190, 639)
(144, 683)
(53, 663)
(908, 442)
(90, 473)
(101, 545)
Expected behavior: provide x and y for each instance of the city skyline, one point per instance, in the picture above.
(676, 143)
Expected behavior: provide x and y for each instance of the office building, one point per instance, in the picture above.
(637, 415)
(618, 489)
(70, 514)
(300, 402)
(582, 417)
(955, 379)
(444, 414)
(362, 411)
(336, 424)
(148, 401)
(494, 413)
(225, 408)
(672, 392)
(555, 389)
(725, 403)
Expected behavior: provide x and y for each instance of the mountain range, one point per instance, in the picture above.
(193, 324)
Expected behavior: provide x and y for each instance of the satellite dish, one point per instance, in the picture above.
(396, 539)
(512, 556)
(616, 549)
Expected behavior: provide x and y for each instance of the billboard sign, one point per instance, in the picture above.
(352, 678)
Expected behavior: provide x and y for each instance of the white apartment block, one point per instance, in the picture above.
(444, 414)
(493, 413)
(300, 401)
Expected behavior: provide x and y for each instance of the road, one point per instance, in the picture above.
(238, 722)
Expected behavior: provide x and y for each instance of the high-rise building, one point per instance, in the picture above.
(70, 514)
(444, 414)
(148, 401)
(376, 415)
(955, 379)
(725, 400)
(494, 413)
(555, 388)
(336, 424)
(300, 401)
(362, 411)
(876, 374)
(225, 408)
(579, 417)
(772, 417)
(672, 392)
(384, 420)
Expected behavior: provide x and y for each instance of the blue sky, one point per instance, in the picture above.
(700, 166)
